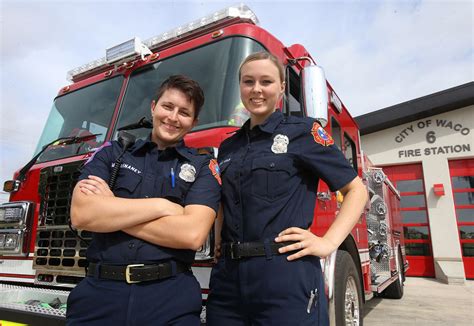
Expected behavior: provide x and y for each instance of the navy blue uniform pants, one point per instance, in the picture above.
(261, 291)
(172, 301)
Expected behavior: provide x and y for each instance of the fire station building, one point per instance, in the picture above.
(426, 147)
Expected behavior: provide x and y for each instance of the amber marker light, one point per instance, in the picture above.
(218, 33)
(11, 185)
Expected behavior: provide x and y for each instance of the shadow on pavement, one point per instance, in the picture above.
(371, 305)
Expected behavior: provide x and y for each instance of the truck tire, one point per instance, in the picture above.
(347, 291)
(395, 290)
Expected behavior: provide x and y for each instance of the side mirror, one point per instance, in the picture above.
(315, 93)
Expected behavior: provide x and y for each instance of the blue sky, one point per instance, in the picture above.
(375, 53)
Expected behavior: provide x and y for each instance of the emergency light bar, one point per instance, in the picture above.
(130, 48)
(119, 52)
(241, 11)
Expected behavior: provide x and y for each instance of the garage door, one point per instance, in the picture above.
(462, 182)
(409, 181)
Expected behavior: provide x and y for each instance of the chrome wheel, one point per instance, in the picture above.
(351, 303)
(348, 292)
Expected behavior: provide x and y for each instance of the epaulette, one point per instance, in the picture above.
(205, 151)
(294, 120)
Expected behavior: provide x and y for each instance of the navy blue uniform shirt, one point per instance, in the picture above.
(270, 175)
(145, 172)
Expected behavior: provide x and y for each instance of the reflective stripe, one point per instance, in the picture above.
(364, 256)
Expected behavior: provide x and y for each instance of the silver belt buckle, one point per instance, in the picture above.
(127, 273)
(234, 255)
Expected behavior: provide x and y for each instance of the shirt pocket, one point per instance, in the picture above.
(176, 194)
(126, 184)
(271, 176)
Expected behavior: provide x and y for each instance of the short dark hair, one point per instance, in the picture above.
(188, 86)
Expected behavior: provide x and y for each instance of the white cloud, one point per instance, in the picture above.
(375, 54)
(41, 41)
(405, 52)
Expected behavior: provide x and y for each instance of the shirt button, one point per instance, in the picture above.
(131, 245)
(236, 201)
(272, 165)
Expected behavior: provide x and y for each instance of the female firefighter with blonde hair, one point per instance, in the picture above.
(269, 271)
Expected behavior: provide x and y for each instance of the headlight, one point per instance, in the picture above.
(11, 241)
(11, 214)
(14, 212)
(14, 220)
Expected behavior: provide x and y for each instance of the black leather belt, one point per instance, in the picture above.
(136, 273)
(238, 250)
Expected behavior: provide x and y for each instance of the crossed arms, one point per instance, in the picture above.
(156, 220)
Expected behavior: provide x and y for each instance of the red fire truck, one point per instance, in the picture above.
(41, 258)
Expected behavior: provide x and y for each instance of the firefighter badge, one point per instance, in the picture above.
(187, 172)
(280, 144)
(321, 136)
(214, 167)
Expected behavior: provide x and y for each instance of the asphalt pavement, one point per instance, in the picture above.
(426, 301)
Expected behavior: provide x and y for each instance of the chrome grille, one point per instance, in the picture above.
(60, 256)
(55, 189)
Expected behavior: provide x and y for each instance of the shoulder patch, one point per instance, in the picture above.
(98, 149)
(321, 136)
(214, 167)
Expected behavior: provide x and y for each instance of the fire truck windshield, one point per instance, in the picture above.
(214, 66)
(89, 110)
(80, 113)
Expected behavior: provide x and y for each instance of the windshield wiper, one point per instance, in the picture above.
(142, 123)
(57, 142)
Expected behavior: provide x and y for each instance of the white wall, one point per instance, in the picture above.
(452, 133)
(432, 141)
